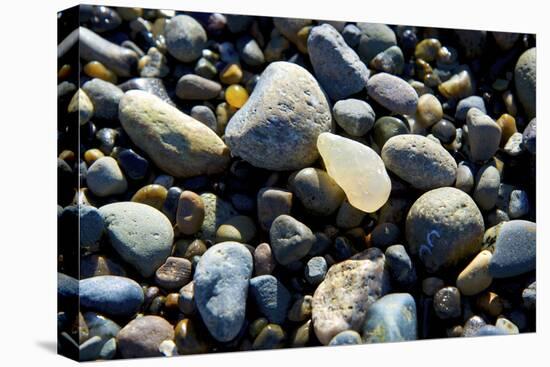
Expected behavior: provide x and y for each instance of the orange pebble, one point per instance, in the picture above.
(236, 95)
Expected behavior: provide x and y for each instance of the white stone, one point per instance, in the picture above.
(357, 169)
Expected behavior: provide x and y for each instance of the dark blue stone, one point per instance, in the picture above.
(530, 137)
(400, 264)
(391, 318)
(515, 249)
(112, 295)
(243, 203)
(465, 104)
(271, 296)
(134, 166)
(67, 287)
(489, 330)
(348, 337)
(341, 249)
(91, 227)
(107, 139)
(170, 206)
(320, 245)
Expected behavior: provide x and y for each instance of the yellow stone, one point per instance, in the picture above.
(153, 195)
(301, 39)
(507, 124)
(92, 155)
(475, 277)
(357, 169)
(231, 74)
(95, 69)
(428, 110)
(236, 95)
(64, 72)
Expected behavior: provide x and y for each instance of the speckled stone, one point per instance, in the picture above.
(393, 93)
(271, 297)
(443, 227)
(515, 249)
(142, 337)
(519, 204)
(391, 318)
(529, 296)
(419, 161)
(221, 287)
(341, 301)
(336, 65)
(140, 234)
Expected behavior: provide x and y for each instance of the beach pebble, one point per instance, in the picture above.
(238, 229)
(271, 297)
(443, 227)
(428, 110)
(140, 234)
(113, 295)
(384, 235)
(134, 166)
(486, 190)
(391, 318)
(174, 273)
(271, 203)
(513, 146)
(347, 337)
(483, 135)
(475, 278)
(490, 303)
(375, 38)
(391, 61)
(419, 161)
(351, 34)
(508, 326)
(249, 51)
(165, 134)
(95, 265)
(271, 337)
(387, 127)
(401, 266)
(264, 262)
(143, 336)
(105, 178)
(349, 216)
(529, 296)
(342, 299)
(519, 204)
(444, 131)
(315, 270)
(393, 93)
(263, 130)
(205, 115)
(216, 212)
(81, 104)
(91, 227)
(317, 191)
(447, 303)
(188, 338)
(431, 285)
(364, 180)
(530, 136)
(185, 38)
(190, 213)
(193, 87)
(355, 116)
(221, 287)
(515, 249)
(525, 78)
(153, 195)
(464, 178)
(186, 299)
(465, 104)
(301, 309)
(337, 67)
(290, 239)
(105, 97)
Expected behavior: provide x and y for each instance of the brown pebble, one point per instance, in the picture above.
(153, 195)
(264, 263)
(189, 249)
(141, 337)
(507, 124)
(174, 273)
(92, 155)
(171, 301)
(187, 339)
(231, 74)
(490, 303)
(95, 69)
(428, 110)
(186, 300)
(190, 214)
(64, 72)
(271, 203)
(68, 156)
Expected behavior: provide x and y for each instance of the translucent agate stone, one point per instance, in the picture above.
(357, 169)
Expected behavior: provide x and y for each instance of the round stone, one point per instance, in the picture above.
(271, 297)
(238, 229)
(139, 233)
(464, 178)
(105, 178)
(391, 318)
(475, 278)
(290, 239)
(264, 262)
(142, 337)
(486, 190)
(355, 116)
(419, 161)
(490, 303)
(317, 191)
(91, 228)
(445, 131)
(263, 130)
(349, 216)
(185, 38)
(342, 299)
(384, 235)
(401, 266)
(428, 110)
(190, 213)
(271, 337)
(443, 227)
(250, 51)
(112, 295)
(205, 115)
(351, 34)
(336, 65)
(178, 144)
(483, 135)
(105, 97)
(508, 127)
(221, 287)
(391, 61)
(525, 78)
(387, 127)
(363, 179)
(530, 136)
(465, 104)
(315, 270)
(188, 339)
(519, 204)
(348, 337)
(135, 167)
(236, 96)
(515, 249)
(271, 203)
(194, 87)
(447, 303)
(393, 93)
(301, 309)
(375, 38)
(152, 195)
(174, 273)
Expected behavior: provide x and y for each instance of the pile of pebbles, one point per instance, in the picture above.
(244, 182)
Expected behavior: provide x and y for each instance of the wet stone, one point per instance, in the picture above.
(264, 262)
(447, 303)
(387, 127)
(152, 195)
(190, 213)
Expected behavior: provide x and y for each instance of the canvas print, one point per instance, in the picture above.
(233, 183)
